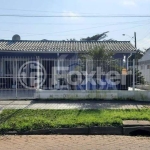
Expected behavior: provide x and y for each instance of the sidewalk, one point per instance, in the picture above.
(58, 104)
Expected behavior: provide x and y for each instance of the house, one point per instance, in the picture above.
(14, 53)
(144, 66)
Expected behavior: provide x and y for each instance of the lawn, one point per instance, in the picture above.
(25, 119)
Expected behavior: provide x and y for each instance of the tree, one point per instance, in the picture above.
(99, 53)
(139, 79)
(100, 57)
(70, 39)
(96, 37)
(138, 55)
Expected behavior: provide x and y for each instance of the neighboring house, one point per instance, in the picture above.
(144, 66)
(48, 51)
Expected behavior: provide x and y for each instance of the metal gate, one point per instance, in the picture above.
(11, 86)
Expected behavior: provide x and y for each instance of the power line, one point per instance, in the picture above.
(30, 34)
(75, 16)
(144, 41)
(40, 34)
(28, 23)
(80, 30)
(26, 10)
(43, 11)
(119, 23)
(91, 33)
(58, 12)
(145, 36)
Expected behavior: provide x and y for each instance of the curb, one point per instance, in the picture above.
(120, 130)
(71, 131)
(106, 131)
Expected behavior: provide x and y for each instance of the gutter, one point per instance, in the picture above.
(128, 61)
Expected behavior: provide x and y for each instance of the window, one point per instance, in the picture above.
(142, 67)
(8, 68)
(148, 66)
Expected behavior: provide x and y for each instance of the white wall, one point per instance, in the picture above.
(143, 62)
(145, 72)
(103, 94)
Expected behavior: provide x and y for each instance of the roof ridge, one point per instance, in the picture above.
(64, 41)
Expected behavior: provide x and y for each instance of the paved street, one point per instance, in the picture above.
(65, 142)
(58, 104)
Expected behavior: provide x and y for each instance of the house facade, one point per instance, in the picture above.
(144, 66)
(14, 53)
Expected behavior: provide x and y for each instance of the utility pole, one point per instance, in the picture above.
(135, 39)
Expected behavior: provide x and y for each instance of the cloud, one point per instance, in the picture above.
(129, 3)
(70, 14)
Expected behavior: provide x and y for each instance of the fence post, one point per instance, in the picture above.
(16, 80)
(58, 70)
(86, 76)
(133, 74)
(38, 74)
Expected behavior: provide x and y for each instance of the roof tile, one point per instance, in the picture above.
(64, 46)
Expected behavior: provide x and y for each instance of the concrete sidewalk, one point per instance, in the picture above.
(64, 104)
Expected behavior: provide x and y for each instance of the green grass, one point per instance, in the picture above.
(24, 120)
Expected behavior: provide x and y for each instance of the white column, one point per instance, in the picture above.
(38, 74)
(16, 79)
(58, 69)
(86, 76)
(1, 69)
(133, 74)
(127, 63)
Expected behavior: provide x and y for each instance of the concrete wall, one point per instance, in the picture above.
(107, 94)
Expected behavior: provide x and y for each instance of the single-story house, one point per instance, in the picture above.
(144, 66)
(49, 51)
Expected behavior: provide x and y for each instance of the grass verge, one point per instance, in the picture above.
(25, 119)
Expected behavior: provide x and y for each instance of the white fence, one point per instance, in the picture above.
(25, 78)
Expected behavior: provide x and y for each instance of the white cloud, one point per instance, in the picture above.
(129, 3)
(70, 14)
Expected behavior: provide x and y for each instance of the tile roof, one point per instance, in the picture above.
(146, 56)
(64, 46)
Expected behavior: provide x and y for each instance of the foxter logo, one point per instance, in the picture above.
(32, 75)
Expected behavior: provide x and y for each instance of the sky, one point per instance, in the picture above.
(76, 26)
